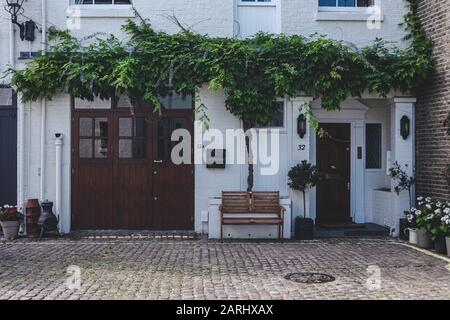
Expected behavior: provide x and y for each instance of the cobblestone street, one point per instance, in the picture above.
(167, 269)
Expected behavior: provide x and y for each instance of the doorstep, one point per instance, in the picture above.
(133, 235)
(360, 230)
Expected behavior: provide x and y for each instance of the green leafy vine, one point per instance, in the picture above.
(253, 72)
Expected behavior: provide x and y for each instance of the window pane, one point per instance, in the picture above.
(373, 146)
(278, 120)
(101, 148)
(327, 3)
(125, 127)
(140, 127)
(97, 103)
(101, 127)
(85, 127)
(365, 3)
(163, 139)
(6, 97)
(125, 148)
(85, 148)
(176, 101)
(346, 3)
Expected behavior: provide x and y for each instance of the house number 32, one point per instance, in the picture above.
(301, 147)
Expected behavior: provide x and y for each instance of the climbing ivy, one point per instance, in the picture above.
(252, 72)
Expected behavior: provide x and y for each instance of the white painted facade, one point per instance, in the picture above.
(223, 18)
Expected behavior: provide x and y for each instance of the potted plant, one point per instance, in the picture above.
(438, 226)
(404, 183)
(301, 178)
(412, 230)
(425, 220)
(10, 218)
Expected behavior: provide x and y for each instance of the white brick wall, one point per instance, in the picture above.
(298, 17)
(213, 17)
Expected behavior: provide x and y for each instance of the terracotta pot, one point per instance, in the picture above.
(439, 245)
(425, 241)
(413, 236)
(447, 242)
(10, 229)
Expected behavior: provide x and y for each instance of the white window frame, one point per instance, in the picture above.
(100, 10)
(345, 9)
(72, 2)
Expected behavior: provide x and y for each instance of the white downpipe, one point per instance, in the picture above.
(43, 109)
(59, 142)
(20, 123)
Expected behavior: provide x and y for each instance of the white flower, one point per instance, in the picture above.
(419, 198)
(428, 199)
(410, 217)
(420, 203)
(428, 207)
(447, 210)
(418, 212)
(438, 211)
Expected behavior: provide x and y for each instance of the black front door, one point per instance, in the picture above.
(333, 160)
(8, 147)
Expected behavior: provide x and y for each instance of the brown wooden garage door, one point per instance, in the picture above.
(123, 176)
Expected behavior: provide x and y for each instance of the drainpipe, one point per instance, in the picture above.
(59, 142)
(43, 107)
(20, 124)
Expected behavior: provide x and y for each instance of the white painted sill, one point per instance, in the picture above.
(257, 4)
(345, 16)
(100, 11)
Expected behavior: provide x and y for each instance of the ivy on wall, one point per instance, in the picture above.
(252, 72)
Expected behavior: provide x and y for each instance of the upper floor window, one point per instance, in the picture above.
(78, 2)
(257, 1)
(345, 4)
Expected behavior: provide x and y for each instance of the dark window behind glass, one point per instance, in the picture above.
(373, 146)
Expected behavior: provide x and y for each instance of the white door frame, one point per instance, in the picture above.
(353, 113)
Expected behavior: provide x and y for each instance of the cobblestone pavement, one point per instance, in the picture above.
(165, 269)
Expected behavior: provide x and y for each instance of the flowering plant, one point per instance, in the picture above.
(431, 215)
(10, 213)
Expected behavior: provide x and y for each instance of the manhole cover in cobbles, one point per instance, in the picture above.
(309, 278)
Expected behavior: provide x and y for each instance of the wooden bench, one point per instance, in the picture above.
(240, 208)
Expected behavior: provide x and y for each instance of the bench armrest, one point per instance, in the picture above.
(282, 211)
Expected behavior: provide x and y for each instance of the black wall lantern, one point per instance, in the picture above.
(15, 8)
(405, 127)
(301, 125)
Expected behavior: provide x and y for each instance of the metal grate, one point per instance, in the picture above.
(310, 278)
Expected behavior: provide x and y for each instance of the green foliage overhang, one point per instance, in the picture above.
(252, 72)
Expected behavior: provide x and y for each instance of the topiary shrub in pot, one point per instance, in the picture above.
(301, 178)
(10, 218)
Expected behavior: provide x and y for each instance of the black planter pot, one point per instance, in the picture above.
(404, 224)
(304, 229)
(440, 246)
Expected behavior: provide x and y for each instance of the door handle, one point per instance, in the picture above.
(157, 161)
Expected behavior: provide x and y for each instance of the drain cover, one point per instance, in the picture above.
(308, 277)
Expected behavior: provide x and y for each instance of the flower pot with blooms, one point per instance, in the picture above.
(429, 217)
(422, 215)
(10, 217)
(412, 230)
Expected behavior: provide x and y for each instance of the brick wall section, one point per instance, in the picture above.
(433, 144)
